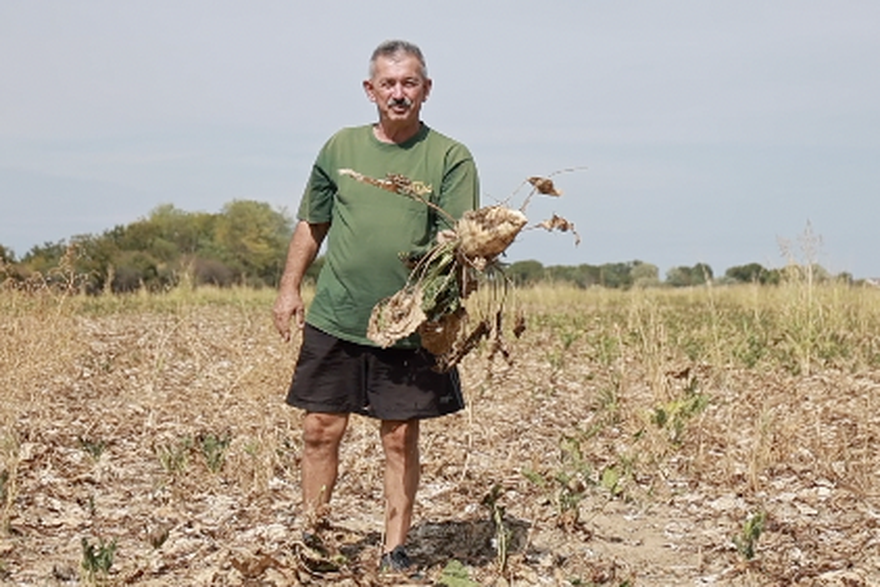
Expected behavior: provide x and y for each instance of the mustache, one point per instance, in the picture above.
(399, 102)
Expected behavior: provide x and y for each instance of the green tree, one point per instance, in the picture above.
(254, 239)
(617, 275)
(750, 273)
(679, 276)
(645, 275)
(701, 273)
(43, 258)
(683, 276)
(560, 274)
(97, 255)
(136, 269)
(7, 255)
(525, 272)
(610, 274)
(753, 273)
(180, 232)
(9, 269)
(845, 277)
(586, 275)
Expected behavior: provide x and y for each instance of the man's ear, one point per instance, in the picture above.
(428, 85)
(368, 88)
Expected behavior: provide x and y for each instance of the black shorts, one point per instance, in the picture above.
(337, 376)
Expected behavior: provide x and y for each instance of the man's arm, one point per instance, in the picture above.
(460, 190)
(304, 245)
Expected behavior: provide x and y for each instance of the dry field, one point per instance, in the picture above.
(724, 436)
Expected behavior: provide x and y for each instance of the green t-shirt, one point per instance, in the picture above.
(370, 226)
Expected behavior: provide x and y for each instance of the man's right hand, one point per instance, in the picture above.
(303, 247)
(288, 305)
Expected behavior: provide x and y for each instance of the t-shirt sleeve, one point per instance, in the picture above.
(460, 190)
(316, 205)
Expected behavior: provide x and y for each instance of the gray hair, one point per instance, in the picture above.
(396, 48)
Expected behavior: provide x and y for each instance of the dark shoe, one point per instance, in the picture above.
(313, 541)
(396, 561)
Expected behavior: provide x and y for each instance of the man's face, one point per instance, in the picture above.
(398, 88)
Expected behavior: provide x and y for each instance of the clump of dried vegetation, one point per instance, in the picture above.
(432, 302)
(727, 436)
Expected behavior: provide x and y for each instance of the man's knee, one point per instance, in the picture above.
(322, 431)
(400, 437)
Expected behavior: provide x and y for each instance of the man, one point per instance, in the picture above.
(339, 370)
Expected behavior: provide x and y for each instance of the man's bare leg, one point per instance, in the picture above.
(400, 440)
(322, 434)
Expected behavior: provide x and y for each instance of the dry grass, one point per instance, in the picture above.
(629, 441)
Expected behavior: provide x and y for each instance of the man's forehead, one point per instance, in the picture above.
(397, 64)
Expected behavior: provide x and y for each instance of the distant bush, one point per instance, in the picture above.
(753, 273)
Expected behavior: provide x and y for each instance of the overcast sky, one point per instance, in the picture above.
(711, 131)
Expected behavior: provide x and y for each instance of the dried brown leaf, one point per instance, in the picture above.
(464, 346)
(562, 225)
(439, 336)
(545, 186)
(252, 566)
(396, 317)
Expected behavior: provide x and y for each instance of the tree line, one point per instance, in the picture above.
(246, 244)
(641, 274)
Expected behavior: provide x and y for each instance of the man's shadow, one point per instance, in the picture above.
(472, 542)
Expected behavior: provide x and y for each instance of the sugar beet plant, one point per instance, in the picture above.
(441, 278)
(747, 540)
(674, 415)
(174, 457)
(213, 448)
(97, 559)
